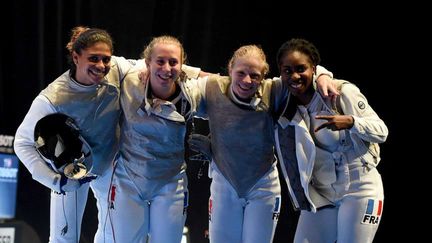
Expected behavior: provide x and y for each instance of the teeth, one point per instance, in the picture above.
(296, 86)
(165, 76)
(97, 72)
(245, 88)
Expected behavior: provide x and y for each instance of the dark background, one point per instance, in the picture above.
(360, 42)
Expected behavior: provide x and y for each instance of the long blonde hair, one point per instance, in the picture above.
(164, 39)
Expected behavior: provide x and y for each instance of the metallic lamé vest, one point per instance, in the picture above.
(95, 109)
(153, 134)
(242, 139)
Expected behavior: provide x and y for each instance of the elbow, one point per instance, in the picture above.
(17, 146)
(382, 136)
(385, 133)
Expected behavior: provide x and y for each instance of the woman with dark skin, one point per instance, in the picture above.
(332, 176)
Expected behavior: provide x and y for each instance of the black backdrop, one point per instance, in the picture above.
(356, 42)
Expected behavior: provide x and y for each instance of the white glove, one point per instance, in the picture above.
(68, 185)
(55, 181)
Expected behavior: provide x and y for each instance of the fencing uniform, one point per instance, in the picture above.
(245, 191)
(332, 175)
(245, 199)
(149, 194)
(96, 111)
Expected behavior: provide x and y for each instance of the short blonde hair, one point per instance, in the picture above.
(250, 51)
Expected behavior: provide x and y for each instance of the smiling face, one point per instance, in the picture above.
(246, 76)
(164, 56)
(247, 68)
(297, 72)
(92, 64)
(164, 66)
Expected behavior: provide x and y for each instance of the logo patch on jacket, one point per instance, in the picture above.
(373, 212)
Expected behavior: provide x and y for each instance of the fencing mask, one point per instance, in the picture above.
(58, 141)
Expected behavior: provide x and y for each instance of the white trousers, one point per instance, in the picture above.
(354, 219)
(161, 217)
(244, 220)
(67, 210)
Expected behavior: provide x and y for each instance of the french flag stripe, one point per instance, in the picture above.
(379, 207)
(370, 206)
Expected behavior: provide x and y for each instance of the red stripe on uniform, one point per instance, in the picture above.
(113, 192)
(210, 206)
(379, 207)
